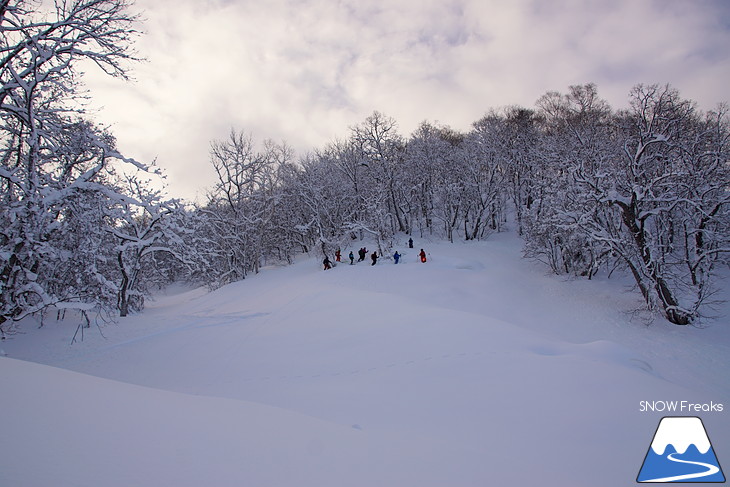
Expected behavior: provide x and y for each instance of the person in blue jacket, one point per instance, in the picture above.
(396, 256)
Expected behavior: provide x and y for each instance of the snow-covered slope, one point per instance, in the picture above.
(476, 367)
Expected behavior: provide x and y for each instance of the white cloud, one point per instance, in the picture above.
(304, 71)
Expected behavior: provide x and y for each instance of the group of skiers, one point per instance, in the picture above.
(363, 252)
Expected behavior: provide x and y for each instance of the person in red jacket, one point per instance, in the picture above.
(422, 255)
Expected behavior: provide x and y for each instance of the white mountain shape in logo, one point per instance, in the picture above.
(680, 432)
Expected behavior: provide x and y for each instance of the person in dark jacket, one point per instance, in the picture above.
(327, 264)
(374, 257)
(410, 243)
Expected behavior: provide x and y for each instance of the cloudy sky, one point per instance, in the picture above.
(304, 71)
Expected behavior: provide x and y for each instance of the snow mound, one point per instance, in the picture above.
(71, 429)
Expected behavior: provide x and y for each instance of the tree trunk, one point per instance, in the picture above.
(123, 301)
(670, 305)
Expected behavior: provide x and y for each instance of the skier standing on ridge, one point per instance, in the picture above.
(352, 258)
(422, 255)
(410, 243)
(396, 256)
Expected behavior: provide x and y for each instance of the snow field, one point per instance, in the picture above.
(476, 367)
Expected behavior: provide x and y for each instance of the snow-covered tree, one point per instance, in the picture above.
(485, 179)
(237, 224)
(328, 207)
(670, 189)
(427, 154)
(645, 188)
(143, 226)
(53, 164)
(380, 149)
(523, 162)
(577, 137)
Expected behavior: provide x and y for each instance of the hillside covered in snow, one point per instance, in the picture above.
(476, 368)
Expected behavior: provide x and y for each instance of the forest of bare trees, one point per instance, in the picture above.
(591, 189)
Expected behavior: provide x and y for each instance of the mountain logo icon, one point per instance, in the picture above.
(681, 452)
